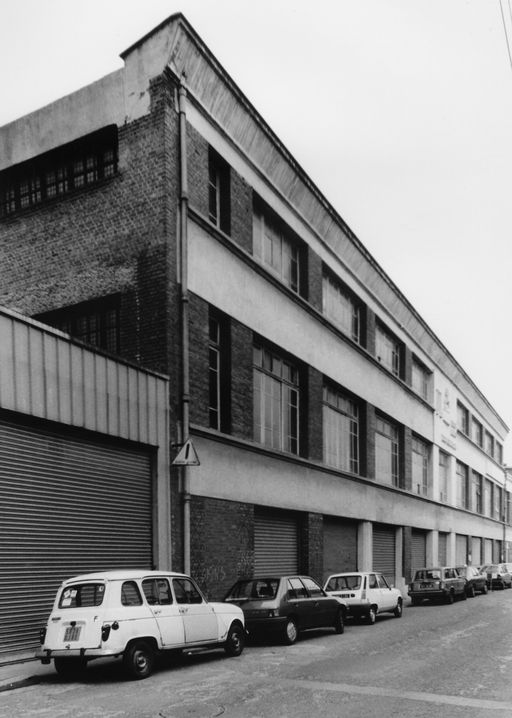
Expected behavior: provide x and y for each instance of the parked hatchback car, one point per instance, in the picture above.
(497, 575)
(476, 582)
(365, 594)
(440, 583)
(134, 614)
(285, 605)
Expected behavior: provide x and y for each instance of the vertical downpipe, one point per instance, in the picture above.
(185, 372)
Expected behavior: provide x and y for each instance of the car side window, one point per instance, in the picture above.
(382, 582)
(185, 591)
(372, 581)
(312, 587)
(296, 589)
(130, 594)
(157, 591)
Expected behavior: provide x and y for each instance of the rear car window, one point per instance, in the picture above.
(340, 583)
(432, 574)
(312, 587)
(255, 588)
(82, 595)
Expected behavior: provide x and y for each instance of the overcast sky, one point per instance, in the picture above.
(399, 110)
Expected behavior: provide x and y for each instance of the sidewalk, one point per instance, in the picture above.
(22, 670)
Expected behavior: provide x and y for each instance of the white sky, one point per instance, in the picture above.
(399, 110)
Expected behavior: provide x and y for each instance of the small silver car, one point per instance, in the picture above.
(437, 583)
(365, 594)
(134, 614)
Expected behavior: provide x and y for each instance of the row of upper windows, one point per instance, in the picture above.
(475, 492)
(283, 254)
(473, 429)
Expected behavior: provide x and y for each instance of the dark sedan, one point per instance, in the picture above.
(285, 605)
(476, 582)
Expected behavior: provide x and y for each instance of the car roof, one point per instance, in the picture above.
(119, 575)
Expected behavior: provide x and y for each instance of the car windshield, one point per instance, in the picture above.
(428, 574)
(340, 583)
(82, 595)
(255, 588)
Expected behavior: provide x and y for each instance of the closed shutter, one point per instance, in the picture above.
(384, 551)
(476, 557)
(461, 550)
(67, 506)
(443, 549)
(418, 550)
(340, 546)
(487, 550)
(275, 544)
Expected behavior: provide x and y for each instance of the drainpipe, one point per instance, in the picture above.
(184, 304)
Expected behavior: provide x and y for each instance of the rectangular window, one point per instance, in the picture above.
(462, 418)
(219, 192)
(477, 431)
(95, 322)
(498, 452)
(444, 476)
(487, 498)
(420, 466)
(388, 351)
(461, 497)
(489, 444)
(71, 167)
(341, 431)
(497, 502)
(420, 379)
(386, 452)
(476, 492)
(276, 401)
(276, 249)
(341, 308)
(218, 373)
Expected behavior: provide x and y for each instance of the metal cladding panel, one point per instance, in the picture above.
(340, 545)
(461, 550)
(384, 538)
(67, 506)
(275, 544)
(418, 550)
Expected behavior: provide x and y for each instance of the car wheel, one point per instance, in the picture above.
(471, 591)
(70, 668)
(371, 616)
(339, 623)
(397, 613)
(235, 641)
(449, 597)
(139, 660)
(484, 589)
(291, 631)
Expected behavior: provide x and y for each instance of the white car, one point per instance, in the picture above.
(134, 614)
(365, 594)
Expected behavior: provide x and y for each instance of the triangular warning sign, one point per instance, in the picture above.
(187, 456)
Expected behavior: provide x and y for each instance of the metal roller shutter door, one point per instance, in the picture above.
(67, 506)
(418, 550)
(275, 544)
(340, 546)
(443, 549)
(476, 554)
(384, 551)
(461, 550)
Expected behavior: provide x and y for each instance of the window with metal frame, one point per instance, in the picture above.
(462, 418)
(275, 248)
(461, 495)
(218, 372)
(388, 350)
(420, 379)
(341, 307)
(219, 192)
(444, 476)
(340, 430)
(276, 401)
(387, 452)
(420, 466)
(476, 492)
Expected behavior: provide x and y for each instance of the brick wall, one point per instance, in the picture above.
(312, 546)
(312, 445)
(221, 544)
(314, 279)
(241, 380)
(369, 445)
(199, 379)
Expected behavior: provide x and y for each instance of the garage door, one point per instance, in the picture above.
(67, 506)
(275, 543)
(487, 551)
(476, 553)
(418, 550)
(384, 550)
(340, 545)
(461, 550)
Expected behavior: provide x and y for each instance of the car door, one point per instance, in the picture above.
(166, 612)
(387, 597)
(321, 607)
(373, 591)
(199, 618)
(299, 602)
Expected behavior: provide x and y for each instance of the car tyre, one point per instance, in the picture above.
(70, 668)
(235, 641)
(339, 623)
(139, 660)
(397, 613)
(291, 631)
(371, 616)
(471, 591)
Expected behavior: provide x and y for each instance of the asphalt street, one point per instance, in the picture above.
(444, 661)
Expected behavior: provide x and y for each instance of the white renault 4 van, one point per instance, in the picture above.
(134, 614)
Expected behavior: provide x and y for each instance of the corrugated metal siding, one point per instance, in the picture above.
(340, 545)
(384, 551)
(67, 506)
(275, 544)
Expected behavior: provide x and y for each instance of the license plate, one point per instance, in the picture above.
(72, 633)
(426, 585)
